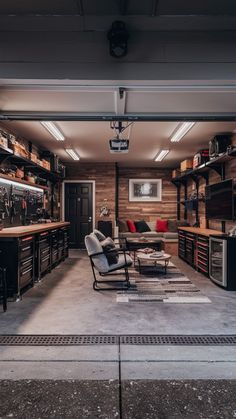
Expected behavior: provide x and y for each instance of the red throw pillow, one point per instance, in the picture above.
(162, 226)
(131, 226)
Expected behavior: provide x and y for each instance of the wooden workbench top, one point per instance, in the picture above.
(31, 229)
(202, 231)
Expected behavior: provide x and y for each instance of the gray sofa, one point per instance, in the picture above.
(152, 225)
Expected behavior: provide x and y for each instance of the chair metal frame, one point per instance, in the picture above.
(96, 282)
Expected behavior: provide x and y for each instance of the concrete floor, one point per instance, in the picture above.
(110, 381)
(65, 303)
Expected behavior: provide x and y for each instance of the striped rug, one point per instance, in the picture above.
(152, 285)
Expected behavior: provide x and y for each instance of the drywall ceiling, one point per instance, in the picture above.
(90, 140)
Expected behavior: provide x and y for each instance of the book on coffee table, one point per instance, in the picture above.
(158, 254)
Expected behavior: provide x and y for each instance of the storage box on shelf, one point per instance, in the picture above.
(34, 157)
(186, 165)
(175, 173)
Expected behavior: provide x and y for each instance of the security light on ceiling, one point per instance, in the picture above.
(181, 130)
(73, 154)
(161, 155)
(53, 130)
(118, 38)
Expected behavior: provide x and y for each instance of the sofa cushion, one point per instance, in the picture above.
(170, 235)
(161, 226)
(108, 245)
(172, 226)
(131, 226)
(131, 235)
(152, 225)
(122, 225)
(141, 226)
(152, 234)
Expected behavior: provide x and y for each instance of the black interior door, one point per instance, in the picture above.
(78, 211)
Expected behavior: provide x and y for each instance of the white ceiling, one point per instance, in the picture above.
(90, 140)
(168, 104)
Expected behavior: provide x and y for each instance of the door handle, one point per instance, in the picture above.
(89, 219)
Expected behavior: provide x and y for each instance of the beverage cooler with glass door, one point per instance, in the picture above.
(222, 261)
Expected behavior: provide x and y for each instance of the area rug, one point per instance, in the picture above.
(153, 285)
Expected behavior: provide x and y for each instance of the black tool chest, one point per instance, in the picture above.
(202, 254)
(194, 249)
(26, 259)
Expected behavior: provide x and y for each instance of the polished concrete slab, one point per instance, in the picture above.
(65, 303)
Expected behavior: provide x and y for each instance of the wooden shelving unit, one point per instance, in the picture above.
(23, 182)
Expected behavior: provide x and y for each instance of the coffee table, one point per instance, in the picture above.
(148, 257)
(133, 244)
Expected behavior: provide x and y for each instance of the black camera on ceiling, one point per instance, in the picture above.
(118, 38)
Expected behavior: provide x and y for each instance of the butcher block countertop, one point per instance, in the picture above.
(203, 231)
(31, 229)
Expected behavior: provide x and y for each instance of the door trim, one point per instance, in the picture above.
(93, 182)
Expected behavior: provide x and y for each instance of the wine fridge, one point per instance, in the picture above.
(222, 261)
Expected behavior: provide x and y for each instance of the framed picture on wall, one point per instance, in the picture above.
(145, 190)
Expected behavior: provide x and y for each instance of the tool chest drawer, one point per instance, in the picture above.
(26, 247)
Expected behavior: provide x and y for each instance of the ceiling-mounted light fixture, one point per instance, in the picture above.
(53, 130)
(161, 155)
(181, 130)
(72, 153)
(118, 37)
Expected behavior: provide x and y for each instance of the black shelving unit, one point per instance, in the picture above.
(8, 155)
(217, 164)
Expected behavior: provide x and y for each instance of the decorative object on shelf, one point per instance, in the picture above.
(201, 157)
(104, 210)
(145, 190)
(219, 144)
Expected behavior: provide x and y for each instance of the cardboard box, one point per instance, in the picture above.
(19, 150)
(46, 164)
(175, 173)
(186, 165)
(34, 157)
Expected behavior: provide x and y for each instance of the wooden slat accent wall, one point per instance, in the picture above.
(146, 210)
(104, 176)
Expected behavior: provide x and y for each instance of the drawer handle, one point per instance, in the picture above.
(46, 258)
(45, 250)
(25, 272)
(25, 248)
(26, 261)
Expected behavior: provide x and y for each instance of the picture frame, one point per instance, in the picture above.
(145, 190)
